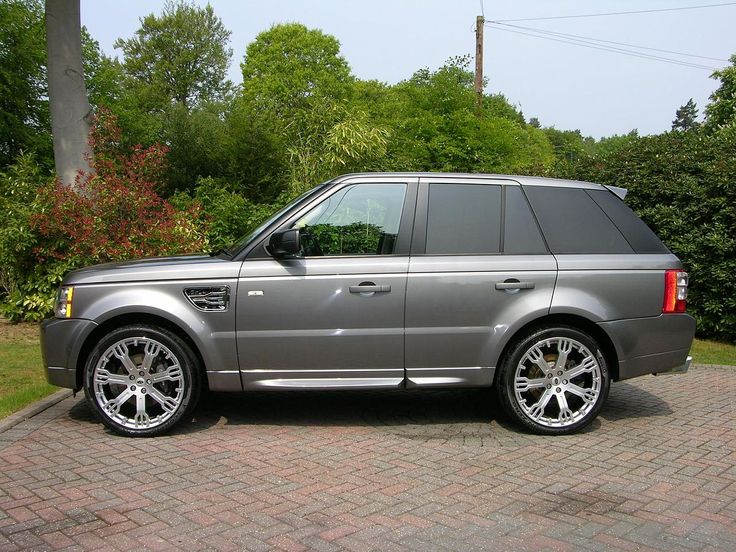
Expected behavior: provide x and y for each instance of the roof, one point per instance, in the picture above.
(524, 180)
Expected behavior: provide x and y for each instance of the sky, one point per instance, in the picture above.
(570, 87)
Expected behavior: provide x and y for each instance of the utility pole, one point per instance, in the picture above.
(479, 24)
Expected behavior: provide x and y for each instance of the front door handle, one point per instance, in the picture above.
(514, 284)
(370, 287)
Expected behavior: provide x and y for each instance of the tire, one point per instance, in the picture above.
(142, 380)
(553, 380)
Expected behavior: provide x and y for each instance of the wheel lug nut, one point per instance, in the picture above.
(548, 375)
(132, 377)
(558, 389)
(141, 373)
(148, 382)
(132, 387)
(549, 387)
(143, 390)
(564, 382)
(559, 373)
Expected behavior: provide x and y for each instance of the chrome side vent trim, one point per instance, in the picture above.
(209, 298)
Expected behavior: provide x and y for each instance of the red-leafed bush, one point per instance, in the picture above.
(114, 213)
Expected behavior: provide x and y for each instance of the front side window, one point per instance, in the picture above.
(362, 219)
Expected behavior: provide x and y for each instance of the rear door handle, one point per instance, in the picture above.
(370, 287)
(514, 284)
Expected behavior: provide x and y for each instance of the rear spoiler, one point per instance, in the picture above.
(620, 192)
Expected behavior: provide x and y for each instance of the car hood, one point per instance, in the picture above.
(183, 267)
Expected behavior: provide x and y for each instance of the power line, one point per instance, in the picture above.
(622, 51)
(594, 40)
(615, 13)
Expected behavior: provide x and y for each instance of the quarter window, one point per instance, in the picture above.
(636, 232)
(362, 219)
(573, 223)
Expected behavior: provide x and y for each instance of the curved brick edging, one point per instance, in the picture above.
(33, 409)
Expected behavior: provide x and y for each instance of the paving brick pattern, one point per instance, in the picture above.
(382, 471)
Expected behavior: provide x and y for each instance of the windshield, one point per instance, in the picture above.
(245, 240)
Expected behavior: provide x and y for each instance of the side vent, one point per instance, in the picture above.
(209, 298)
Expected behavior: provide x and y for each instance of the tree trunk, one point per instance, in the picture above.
(69, 107)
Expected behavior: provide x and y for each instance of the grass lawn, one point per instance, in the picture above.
(712, 352)
(22, 379)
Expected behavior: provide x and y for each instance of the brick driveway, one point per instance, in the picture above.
(383, 471)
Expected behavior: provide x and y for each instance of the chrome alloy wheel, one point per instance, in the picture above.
(557, 382)
(138, 383)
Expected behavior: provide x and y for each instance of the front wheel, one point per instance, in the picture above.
(553, 380)
(141, 380)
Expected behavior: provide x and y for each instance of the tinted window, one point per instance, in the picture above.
(521, 234)
(356, 220)
(638, 234)
(573, 223)
(464, 219)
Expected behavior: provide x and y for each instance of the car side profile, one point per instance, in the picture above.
(546, 290)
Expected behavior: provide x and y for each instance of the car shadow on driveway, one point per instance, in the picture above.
(348, 408)
(630, 401)
(457, 411)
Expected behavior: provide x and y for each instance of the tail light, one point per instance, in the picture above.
(675, 291)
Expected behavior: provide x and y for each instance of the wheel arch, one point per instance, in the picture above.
(578, 322)
(121, 320)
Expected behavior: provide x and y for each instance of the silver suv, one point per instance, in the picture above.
(546, 290)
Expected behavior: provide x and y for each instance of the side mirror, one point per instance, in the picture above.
(285, 243)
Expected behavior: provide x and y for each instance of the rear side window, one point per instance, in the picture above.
(573, 223)
(520, 235)
(464, 219)
(636, 232)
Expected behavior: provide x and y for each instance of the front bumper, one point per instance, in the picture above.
(61, 343)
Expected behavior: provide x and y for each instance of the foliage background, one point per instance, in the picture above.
(187, 161)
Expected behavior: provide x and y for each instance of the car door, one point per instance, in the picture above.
(479, 267)
(334, 316)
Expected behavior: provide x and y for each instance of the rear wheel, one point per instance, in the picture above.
(141, 380)
(553, 380)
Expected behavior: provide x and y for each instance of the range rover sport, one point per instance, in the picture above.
(546, 290)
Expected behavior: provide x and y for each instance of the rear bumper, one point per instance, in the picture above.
(61, 342)
(651, 345)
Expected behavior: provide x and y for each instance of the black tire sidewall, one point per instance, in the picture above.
(506, 388)
(187, 361)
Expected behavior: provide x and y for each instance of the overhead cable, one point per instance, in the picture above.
(595, 46)
(615, 13)
(600, 40)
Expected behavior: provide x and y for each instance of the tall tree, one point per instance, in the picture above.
(23, 106)
(721, 110)
(297, 85)
(289, 69)
(686, 117)
(70, 109)
(435, 127)
(179, 57)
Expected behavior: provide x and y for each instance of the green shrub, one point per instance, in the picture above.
(18, 202)
(225, 214)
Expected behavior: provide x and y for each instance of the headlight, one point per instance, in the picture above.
(63, 304)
